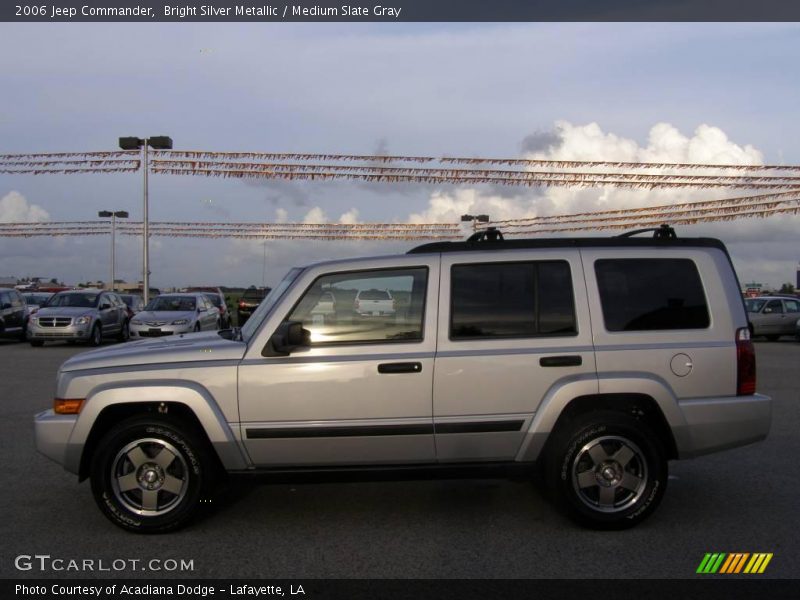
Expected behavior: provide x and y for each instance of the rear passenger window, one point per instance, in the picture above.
(499, 300)
(644, 294)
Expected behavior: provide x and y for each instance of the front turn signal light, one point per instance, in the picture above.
(64, 406)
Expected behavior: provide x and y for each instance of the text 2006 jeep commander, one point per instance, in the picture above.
(599, 359)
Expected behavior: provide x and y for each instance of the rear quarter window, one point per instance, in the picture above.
(644, 294)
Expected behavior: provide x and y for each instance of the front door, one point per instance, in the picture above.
(361, 393)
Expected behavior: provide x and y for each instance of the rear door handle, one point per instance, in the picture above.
(400, 367)
(561, 361)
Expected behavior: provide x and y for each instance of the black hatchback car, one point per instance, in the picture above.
(13, 314)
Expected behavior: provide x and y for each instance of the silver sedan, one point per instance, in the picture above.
(171, 314)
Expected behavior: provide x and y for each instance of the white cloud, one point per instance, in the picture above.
(350, 217)
(665, 143)
(315, 215)
(15, 208)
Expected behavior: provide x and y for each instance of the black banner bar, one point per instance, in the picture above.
(707, 588)
(393, 11)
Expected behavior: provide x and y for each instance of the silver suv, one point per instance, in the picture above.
(595, 360)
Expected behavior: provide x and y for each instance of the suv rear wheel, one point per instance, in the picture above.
(608, 469)
(148, 475)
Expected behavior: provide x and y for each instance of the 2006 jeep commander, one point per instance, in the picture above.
(599, 359)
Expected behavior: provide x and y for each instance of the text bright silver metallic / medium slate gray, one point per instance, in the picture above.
(595, 360)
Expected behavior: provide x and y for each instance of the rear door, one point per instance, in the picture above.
(792, 314)
(512, 326)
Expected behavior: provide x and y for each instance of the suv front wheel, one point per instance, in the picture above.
(148, 475)
(608, 469)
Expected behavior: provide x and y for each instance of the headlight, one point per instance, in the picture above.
(34, 320)
(135, 322)
(83, 320)
(180, 322)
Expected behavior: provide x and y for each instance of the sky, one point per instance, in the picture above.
(587, 91)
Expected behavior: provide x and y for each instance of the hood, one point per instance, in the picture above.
(165, 315)
(64, 311)
(186, 347)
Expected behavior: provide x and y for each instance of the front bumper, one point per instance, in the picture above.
(52, 433)
(70, 332)
(715, 424)
(148, 331)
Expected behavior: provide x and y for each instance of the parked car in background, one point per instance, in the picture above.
(134, 302)
(171, 314)
(773, 316)
(218, 299)
(35, 300)
(249, 301)
(375, 303)
(80, 316)
(13, 314)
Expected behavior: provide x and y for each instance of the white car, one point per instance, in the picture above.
(374, 303)
(171, 314)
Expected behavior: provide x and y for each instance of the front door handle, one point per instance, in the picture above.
(561, 361)
(400, 367)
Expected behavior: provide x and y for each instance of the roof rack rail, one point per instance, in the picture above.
(490, 234)
(664, 232)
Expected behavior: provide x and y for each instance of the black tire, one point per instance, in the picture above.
(124, 333)
(23, 336)
(186, 469)
(96, 336)
(196, 327)
(37, 343)
(606, 469)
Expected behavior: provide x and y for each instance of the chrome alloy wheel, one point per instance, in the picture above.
(609, 474)
(149, 477)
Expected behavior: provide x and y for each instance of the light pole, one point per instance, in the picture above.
(475, 219)
(159, 142)
(121, 214)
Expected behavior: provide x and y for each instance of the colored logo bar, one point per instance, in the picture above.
(734, 563)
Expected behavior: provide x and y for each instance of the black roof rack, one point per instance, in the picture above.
(492, 239)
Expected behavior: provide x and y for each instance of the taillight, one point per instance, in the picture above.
(745, 363)
(393, 304)
(242, 304)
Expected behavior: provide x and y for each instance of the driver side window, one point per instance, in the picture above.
(364, 307)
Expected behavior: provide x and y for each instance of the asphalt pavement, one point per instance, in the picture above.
(742, 500)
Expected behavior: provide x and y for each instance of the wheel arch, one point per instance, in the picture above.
(178, 403)
(643, 398)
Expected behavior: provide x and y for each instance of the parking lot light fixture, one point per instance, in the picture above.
(158, 142)
(114, 215)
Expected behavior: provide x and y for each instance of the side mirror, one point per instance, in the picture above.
(767, 311)
(290, 336)
(105, 306)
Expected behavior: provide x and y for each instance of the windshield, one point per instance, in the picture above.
(249, 328)
(172, 304)
(36, 298)
(754, 305)
(74, 299)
